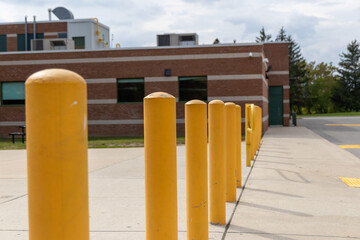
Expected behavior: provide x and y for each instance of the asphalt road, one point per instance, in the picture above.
(336, 133)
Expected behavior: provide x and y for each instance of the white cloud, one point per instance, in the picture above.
(323, 28)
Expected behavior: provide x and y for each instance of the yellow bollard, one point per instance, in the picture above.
(196, 170)
(230, 152)
(56, 125)
(253, 128)
(258, 126)
(238, 146)
(248, 147)
(160, 167)
(217, 163)
(248, 134)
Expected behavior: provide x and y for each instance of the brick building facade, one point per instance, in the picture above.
(239, 73)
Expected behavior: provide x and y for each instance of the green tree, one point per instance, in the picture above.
(346, 95)
(281, 37)
(299, 79)
(216, 41)
(322, 80)
(263, 36)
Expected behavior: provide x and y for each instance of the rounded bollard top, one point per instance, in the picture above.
(195, 102)
(237, 106)
(229, 104)
(216, 101)
(159, 95)
(53, 76)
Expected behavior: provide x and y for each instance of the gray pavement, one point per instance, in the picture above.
(293, 192)
(116, 195)
(339, 135)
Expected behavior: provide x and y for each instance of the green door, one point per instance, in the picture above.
(276, 105)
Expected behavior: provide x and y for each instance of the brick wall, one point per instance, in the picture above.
(279, 73)
(232, 76)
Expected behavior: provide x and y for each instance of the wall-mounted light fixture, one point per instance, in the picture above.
(167, 72)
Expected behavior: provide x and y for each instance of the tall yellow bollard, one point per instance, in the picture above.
(258, 126)
(255, 131)
(217, 162)
(253, 128)
(248, 134)
(56, 122)
(230, 152)
(196, 170)
(238, 146)
(160, 167)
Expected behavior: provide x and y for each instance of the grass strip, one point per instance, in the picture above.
(93, 142)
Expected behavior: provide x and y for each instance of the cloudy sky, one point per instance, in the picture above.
(323, 28)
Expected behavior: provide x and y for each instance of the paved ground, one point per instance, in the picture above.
(339, 135)
(293, 192)
(116, 189)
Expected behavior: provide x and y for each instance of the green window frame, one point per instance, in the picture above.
(130, 90)
(12, 93)
(3, 43)
(191, 88)
(79, 42)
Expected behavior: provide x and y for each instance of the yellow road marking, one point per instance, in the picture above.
(351, 182)
(349, 146)
(342, 124)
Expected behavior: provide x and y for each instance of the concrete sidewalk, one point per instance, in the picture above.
(293, 192)
(116, 195)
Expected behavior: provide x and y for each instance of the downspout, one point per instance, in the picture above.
(26, 33)
(34, 27)
(49, 14)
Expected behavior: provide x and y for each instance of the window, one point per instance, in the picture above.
(62, 35)
(163, 40)
(191, 88)
(131, 90)
(30, 36)
(12, 93)
(3, 46)
(79, 42)
(187, 40)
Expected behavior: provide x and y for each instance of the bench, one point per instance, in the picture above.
(22, 134)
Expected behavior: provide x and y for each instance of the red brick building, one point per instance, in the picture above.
(234, 73)
(118, 79)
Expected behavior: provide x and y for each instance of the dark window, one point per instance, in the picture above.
(3, 46)
(131, 90)
(191, 88)
(62, 35)
(30, 36)
(12, 93)
(187, 38)
(163, 40)
(79, 42)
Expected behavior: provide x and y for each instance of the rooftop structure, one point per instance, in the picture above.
(173, 39)
(65, 34)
